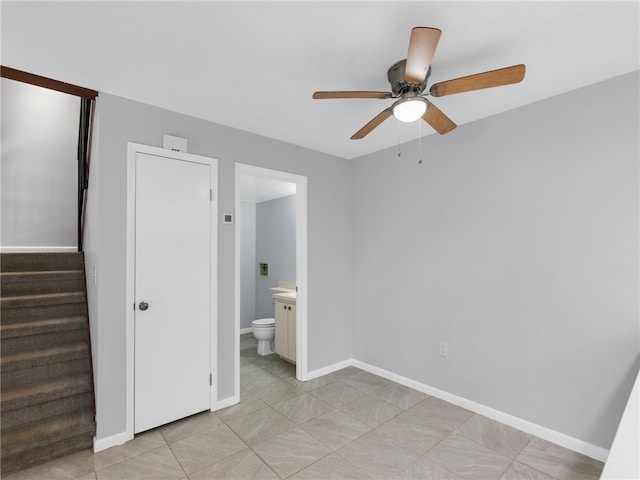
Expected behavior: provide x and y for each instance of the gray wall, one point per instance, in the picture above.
(248, 267)
(329, 240)
(276, 245)
(39, 166)
(516, 241)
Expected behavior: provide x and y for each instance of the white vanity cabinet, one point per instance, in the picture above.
(285, 313)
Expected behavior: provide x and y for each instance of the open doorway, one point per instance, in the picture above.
(264, 196)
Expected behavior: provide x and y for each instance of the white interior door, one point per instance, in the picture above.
(172, 290)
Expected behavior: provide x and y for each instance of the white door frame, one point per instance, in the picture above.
(301, 265)
(132, 150)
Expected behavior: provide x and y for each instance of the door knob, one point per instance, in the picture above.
(143, 305)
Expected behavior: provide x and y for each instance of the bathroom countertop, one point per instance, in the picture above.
(290, 295)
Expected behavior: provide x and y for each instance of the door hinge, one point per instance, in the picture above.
(211, 195)
(211, 379)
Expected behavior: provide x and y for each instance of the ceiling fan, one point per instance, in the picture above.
(408, 79)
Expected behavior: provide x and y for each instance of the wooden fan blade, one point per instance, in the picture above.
(494, 78)
(422, 46)
(377, 120)
(438, 120)
(328, 95)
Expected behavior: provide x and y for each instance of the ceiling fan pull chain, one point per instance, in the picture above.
(420, 143)
(398, 125)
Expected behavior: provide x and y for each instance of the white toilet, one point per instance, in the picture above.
(264, 329)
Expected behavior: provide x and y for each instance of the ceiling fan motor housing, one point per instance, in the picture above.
(398, 84)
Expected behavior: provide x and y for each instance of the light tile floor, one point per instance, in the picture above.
(346, 425)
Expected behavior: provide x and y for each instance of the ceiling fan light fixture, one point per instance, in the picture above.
(409, 109)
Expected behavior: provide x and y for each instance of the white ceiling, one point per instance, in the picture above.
(254, 65)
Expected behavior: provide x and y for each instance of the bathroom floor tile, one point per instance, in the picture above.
(335, 429)
(207, 447)
(302, 408)
(249, 403)
(257, 379)
(281, 369)
(399, 395)
(190, 425)
(291, 451)
(367, 382)
(155, 464)
(413, 433)
(559, 462)
(374, 454)
(244, 465)
(424, 468)
(498, 437)
(310, 385)
(520, 471)
(468, 459)
(260, 425)
(332, 467)
(142, 443)
(277, 391)
(441, 413)
(371, 410)
(337, 393)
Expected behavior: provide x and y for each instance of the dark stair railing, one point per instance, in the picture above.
(84, 154)
(88, 98)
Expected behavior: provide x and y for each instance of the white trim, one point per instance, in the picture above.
(545, 433)
(329, 369)
(132, 150)
(39, 249)
(246, 330)
(301, 265)
(112, 441)
(227, 402)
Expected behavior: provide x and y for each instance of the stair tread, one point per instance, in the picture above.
(42, 432)
(18, 357)
(42, 296)
(42, 326)
(33, 273)
(71, 385)
(34, 261)
(25, 302)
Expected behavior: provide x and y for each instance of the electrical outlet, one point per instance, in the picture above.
(444, 348)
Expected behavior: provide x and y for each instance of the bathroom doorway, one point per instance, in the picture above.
(271, 214)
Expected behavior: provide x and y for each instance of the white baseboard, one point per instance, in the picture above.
(40, 249)
(227, 402)
(112, 441)
(246, 330)
(580, 446)
(328, 369)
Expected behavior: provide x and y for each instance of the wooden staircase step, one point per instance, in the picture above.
(31, 343)
(38, 327)
(42, 299)
(27, 308)
(46, 439)
(24, 396)
(43, 357)
(41, 261)
(28, 283)
(66, 405)
(44, 373)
